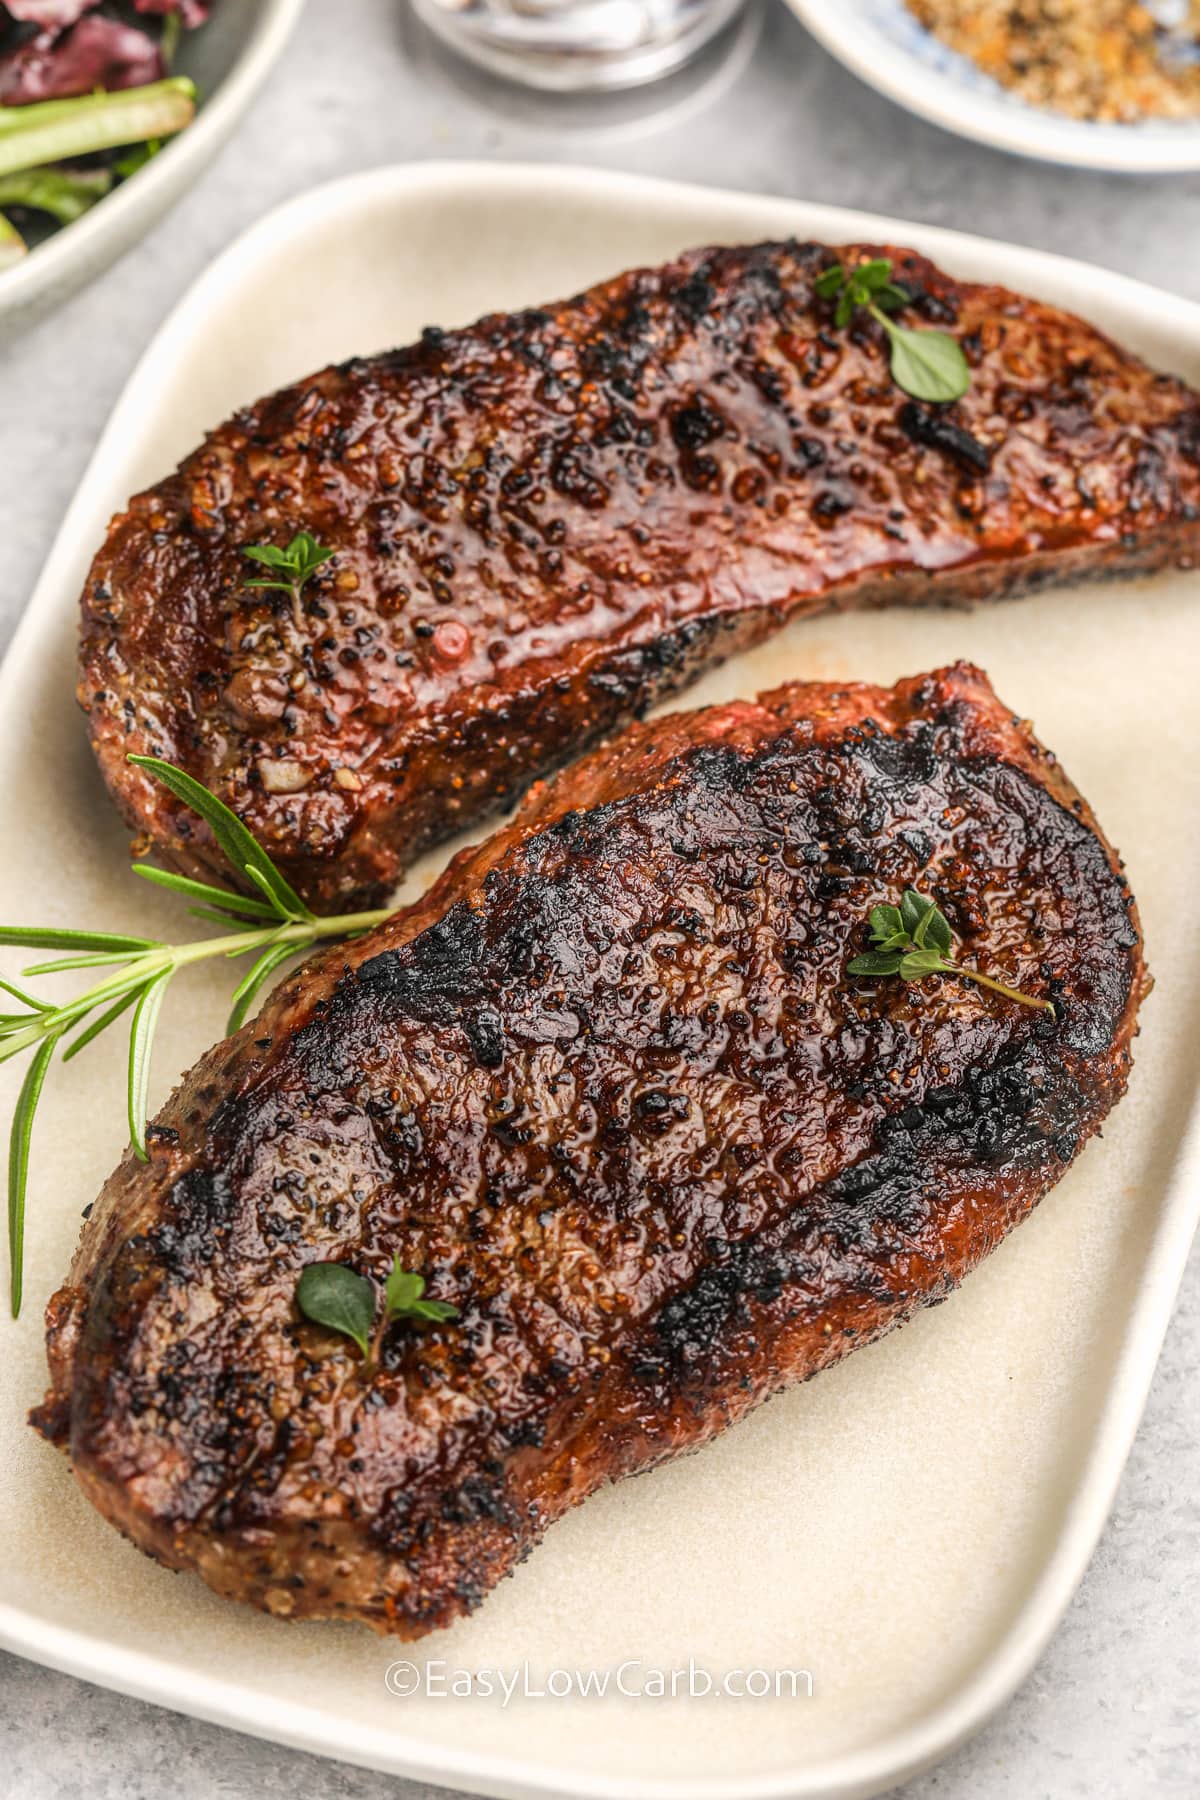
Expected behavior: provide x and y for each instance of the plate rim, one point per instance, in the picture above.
(904, 1753)
(1037, 133)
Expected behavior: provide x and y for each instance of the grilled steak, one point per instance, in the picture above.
(611, 1090)
(544, 523)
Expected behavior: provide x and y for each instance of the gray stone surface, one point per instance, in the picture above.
(1111, 1711)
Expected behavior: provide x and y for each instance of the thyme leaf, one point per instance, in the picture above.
(332, 1295)
(929, 365)
(914, 940)
(291, 567)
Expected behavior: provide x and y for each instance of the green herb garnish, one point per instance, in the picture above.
(293, 566)
(404, 1298)
(273, 925)
(914, 940)
(929, 365)
(332, 1295)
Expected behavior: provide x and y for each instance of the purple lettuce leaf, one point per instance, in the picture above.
(98, 52)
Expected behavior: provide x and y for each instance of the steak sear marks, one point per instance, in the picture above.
(610, 1090)
(548, 521)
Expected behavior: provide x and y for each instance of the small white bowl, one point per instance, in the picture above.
(881, 42)
(228, 58)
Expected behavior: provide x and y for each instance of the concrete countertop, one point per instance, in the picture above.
(1111, 1709)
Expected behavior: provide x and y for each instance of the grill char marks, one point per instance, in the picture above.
(610, 1090)
(549, 520)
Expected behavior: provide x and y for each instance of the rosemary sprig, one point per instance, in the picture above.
(273, 925)
(914, 940)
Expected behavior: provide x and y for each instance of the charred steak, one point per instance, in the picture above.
(547, 521)
(609, 1087)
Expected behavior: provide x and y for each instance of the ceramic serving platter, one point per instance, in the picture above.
(907, 1530)
(885, 46)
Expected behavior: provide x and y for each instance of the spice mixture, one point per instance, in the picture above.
(1093, 59)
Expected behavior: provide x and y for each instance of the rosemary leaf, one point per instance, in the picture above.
(27, 999)
(247, 989)
(239, 846)
(228, 901)
(63, 965)
(224, 918)
(39, 937)
(18, 1165)
(141, 1043)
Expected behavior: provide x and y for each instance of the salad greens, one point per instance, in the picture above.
(86, 99)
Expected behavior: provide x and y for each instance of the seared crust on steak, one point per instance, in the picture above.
(548, 521)
(609, 1087)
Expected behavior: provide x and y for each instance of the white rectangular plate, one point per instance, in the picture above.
(910, 1527)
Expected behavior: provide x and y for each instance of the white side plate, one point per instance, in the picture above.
(908, 1528)
(883, 44)
(229, 59)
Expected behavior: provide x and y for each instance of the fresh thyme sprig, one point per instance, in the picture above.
(914, 940)
(332, 1295)
(929, 365)
(273, 925)
(294, 566)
